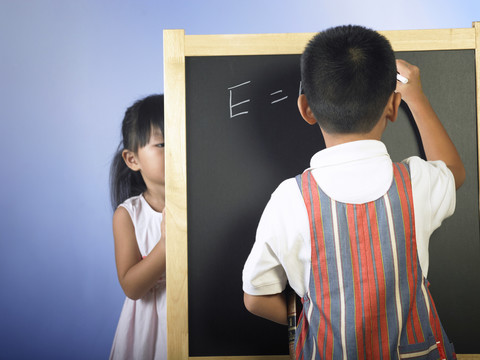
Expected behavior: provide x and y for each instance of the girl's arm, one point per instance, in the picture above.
(435, 139)
(136, 276)
(271, 307)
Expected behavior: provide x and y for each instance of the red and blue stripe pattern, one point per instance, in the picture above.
(367, 297)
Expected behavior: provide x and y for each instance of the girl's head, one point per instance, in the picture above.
(142, 120)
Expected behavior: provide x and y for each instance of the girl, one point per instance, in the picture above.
(137, 185)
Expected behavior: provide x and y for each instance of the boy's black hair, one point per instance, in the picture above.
(137, 124)
(348, 75)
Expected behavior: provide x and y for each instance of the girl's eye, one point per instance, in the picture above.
(161, 145)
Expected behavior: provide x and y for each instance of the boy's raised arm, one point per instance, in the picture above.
(436, 142)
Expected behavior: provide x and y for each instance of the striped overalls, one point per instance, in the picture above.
(367, 297)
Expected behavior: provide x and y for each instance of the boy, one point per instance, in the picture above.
(355, 246)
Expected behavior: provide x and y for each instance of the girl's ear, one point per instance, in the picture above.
(305, 110)
(130, 159)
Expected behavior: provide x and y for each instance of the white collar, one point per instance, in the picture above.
(349, 152)
(356, 172)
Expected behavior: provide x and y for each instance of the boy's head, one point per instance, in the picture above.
(348, 74)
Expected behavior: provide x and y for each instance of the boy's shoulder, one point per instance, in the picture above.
(286, 189)
(285, 200)
(433, 175)
(419, 164)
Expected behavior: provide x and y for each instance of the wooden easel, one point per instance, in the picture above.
(178, 46)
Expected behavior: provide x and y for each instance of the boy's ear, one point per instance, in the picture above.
(130, 159)
(394, 104)
(305, 110)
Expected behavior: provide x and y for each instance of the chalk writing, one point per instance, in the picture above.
(279, 96)
(278, 100)
(232, 115)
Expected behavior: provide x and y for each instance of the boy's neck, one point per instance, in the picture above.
(333, 139)
(337, 139)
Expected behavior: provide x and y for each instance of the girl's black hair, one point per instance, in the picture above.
(139, 119)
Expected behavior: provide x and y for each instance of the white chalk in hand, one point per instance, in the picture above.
(402, 79)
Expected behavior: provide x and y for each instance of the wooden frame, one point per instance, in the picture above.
(177, 46)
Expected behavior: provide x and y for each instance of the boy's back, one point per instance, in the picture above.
(366, 298)
(355, 169)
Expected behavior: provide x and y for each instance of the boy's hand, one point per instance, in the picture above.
(436, 142)
(412, 90)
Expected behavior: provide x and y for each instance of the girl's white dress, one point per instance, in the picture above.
(141, 332)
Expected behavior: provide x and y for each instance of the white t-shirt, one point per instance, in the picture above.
(355, 172)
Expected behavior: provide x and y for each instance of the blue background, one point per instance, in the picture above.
(68, 70)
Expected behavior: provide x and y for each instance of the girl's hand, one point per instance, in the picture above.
(136, 276)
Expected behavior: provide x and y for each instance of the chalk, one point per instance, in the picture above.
(402, 79)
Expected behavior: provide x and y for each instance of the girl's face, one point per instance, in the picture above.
(151, 159)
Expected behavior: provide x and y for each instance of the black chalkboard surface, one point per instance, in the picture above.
(244, 136)
(230, 179)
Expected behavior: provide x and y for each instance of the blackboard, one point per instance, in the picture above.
(243, 136)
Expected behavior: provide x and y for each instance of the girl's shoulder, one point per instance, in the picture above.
(132, 203)
(129, 208)
(139, 209)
